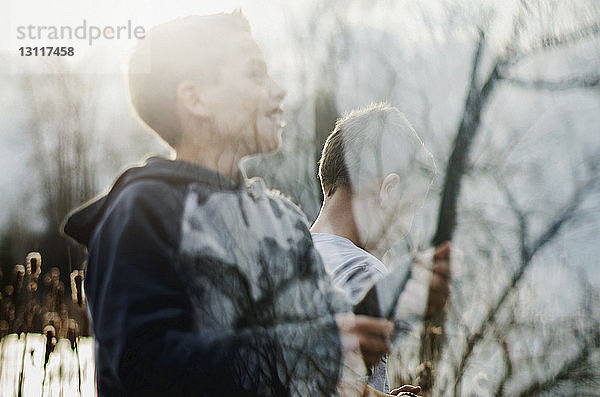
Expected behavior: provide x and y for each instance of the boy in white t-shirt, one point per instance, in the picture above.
(375, 172)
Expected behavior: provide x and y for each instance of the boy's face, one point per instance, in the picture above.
(244, 105)
(384, 214)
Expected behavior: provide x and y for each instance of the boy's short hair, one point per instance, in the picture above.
(370, 143)
(189, 47)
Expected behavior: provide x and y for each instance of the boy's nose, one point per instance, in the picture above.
(276, 91)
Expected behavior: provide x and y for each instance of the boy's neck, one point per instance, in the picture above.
(224, 161)
(336, 217)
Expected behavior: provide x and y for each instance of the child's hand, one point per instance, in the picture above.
(439, 287)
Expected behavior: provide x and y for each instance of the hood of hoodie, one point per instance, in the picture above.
(82, 221)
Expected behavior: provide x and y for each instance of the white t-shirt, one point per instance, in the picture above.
(354, 270)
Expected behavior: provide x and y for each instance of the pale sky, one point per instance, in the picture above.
(266, 21)
(17, 15)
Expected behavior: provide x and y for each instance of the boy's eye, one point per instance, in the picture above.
(257, 71)
(257, 74)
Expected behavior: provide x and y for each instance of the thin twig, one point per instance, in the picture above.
(559, 85)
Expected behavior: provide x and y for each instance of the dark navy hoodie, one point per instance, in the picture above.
(197, 285)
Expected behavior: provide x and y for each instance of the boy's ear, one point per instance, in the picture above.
(389, 192)
(189, 96)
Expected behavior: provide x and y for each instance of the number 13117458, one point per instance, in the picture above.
(47, 51)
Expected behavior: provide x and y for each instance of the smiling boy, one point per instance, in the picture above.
(200, 282)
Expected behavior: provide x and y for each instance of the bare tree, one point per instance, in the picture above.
(74, 148)
(492, 73)
(482, 86)
(62, 144)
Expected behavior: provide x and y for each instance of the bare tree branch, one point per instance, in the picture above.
(565, 215)
(573, 369)
(527, 253)
(458, 159)
(432, 336)
(571, 37)
(519, 214)
(551, 42)
(575, 82)
(508, 372)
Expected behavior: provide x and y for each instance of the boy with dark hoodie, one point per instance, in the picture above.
(200, 282)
